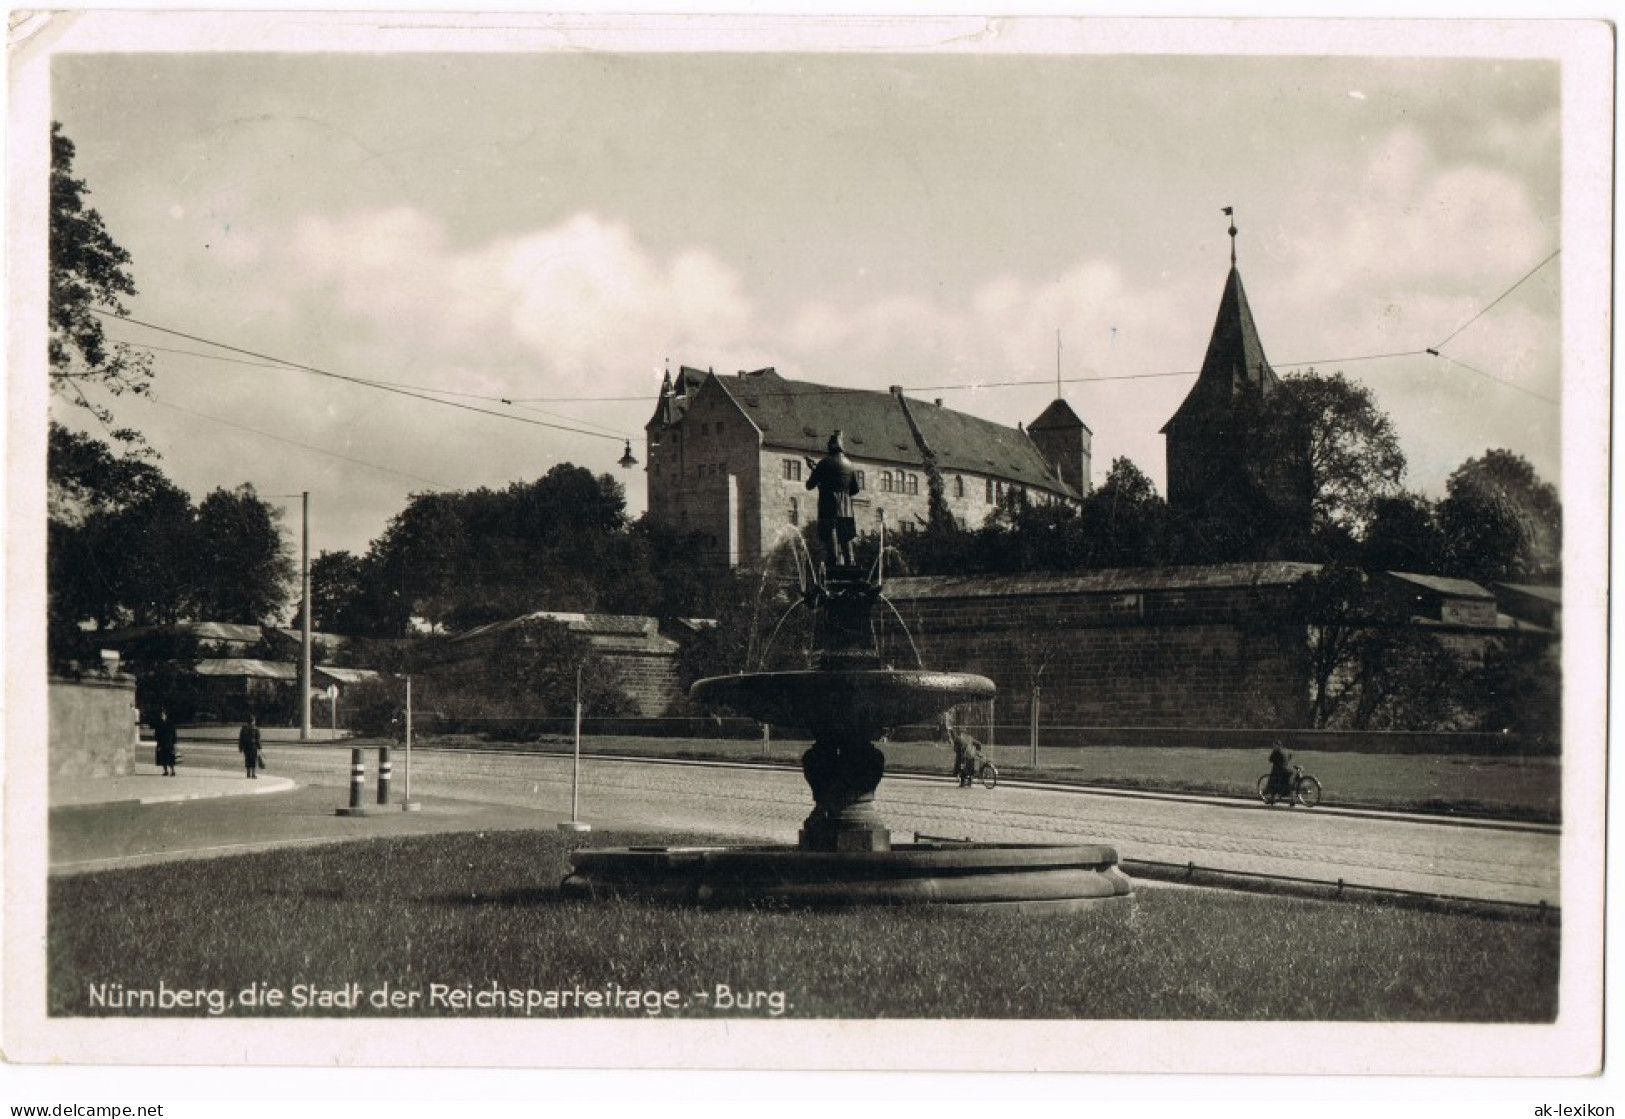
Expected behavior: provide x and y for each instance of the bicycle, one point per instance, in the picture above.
(1305, 789)
(987, 773)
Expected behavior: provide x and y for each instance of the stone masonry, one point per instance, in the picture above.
(1192, 647)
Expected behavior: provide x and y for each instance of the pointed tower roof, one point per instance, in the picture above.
(1058, 416)
(675, 395)
(1235, 361)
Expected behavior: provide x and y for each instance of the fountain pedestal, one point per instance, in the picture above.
(843, 778)
(845, 855)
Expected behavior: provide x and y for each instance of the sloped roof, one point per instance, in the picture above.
(1438, 584)
(605, 632)
(316, 636)
(1234, 362)
(799, 416)
(203, 631)
(1058, 415)
(245, 666)
(675, 394)
(1552, 595)
(344, 675)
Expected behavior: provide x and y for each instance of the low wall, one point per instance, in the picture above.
(1018, 737)
(1015, 736)
(93, 731)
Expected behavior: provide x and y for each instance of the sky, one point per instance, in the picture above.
(554, 227)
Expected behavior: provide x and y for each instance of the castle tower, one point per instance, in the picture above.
(1207, 451)
(1065, 441)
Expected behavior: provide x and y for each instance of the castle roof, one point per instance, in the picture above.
(1234, 364)
(1059, 416)
(799, 416)
(675, 394)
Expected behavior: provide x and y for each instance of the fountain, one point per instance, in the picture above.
(845, 854)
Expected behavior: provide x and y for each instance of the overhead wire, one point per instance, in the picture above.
(1498, 380)
(433, 395)
(1441, 345)
(296, 443)
(364, 382)
(275, 364)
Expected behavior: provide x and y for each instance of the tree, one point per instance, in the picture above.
(337, 583)
(1026, 535)
(88, 274)
(1370, 665)
(1404, 535)
(527, 673)
(1125, 523)
(245, 573)
(1500, 520)
(1324, 443)
(1519, 689)
(119, 537)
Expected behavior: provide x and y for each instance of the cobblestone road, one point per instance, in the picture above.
(1497, 863)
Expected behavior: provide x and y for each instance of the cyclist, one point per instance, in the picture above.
(968, 756)
(1280, 770)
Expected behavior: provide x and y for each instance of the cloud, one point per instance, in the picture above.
(528, 314)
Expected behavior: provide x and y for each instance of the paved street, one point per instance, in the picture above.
(462, 789)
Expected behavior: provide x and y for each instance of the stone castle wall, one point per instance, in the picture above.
(650, 680)
(1105, 652)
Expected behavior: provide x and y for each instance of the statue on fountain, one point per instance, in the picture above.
(836, 480)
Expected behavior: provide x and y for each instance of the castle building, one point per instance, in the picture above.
(727, 458)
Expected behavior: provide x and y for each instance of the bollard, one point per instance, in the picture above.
(384, 773)
(358, 779)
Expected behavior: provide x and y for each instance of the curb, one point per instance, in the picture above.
(261, 787)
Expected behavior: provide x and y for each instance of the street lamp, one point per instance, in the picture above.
(627, 460)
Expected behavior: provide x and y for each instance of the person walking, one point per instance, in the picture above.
(166, 754)
(248, 741)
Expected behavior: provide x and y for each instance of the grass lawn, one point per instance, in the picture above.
(1507, 788)
(440, 916)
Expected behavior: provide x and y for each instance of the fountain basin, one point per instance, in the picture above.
(1005, 876)
(844, 703)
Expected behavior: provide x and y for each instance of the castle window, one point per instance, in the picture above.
(959, 485)
(990, 491)
(862, 485)
(885, 481)
(792, 471)
(705, 429)
(913, 483)
(795, 510)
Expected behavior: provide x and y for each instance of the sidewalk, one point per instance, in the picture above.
(112, 822)
(148, 785)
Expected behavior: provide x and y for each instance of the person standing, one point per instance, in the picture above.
(248, 741)
(163, 730)
(836, 480)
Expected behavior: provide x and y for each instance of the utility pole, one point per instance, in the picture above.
(304, 636)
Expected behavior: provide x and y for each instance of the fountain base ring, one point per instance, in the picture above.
(1027, 877)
